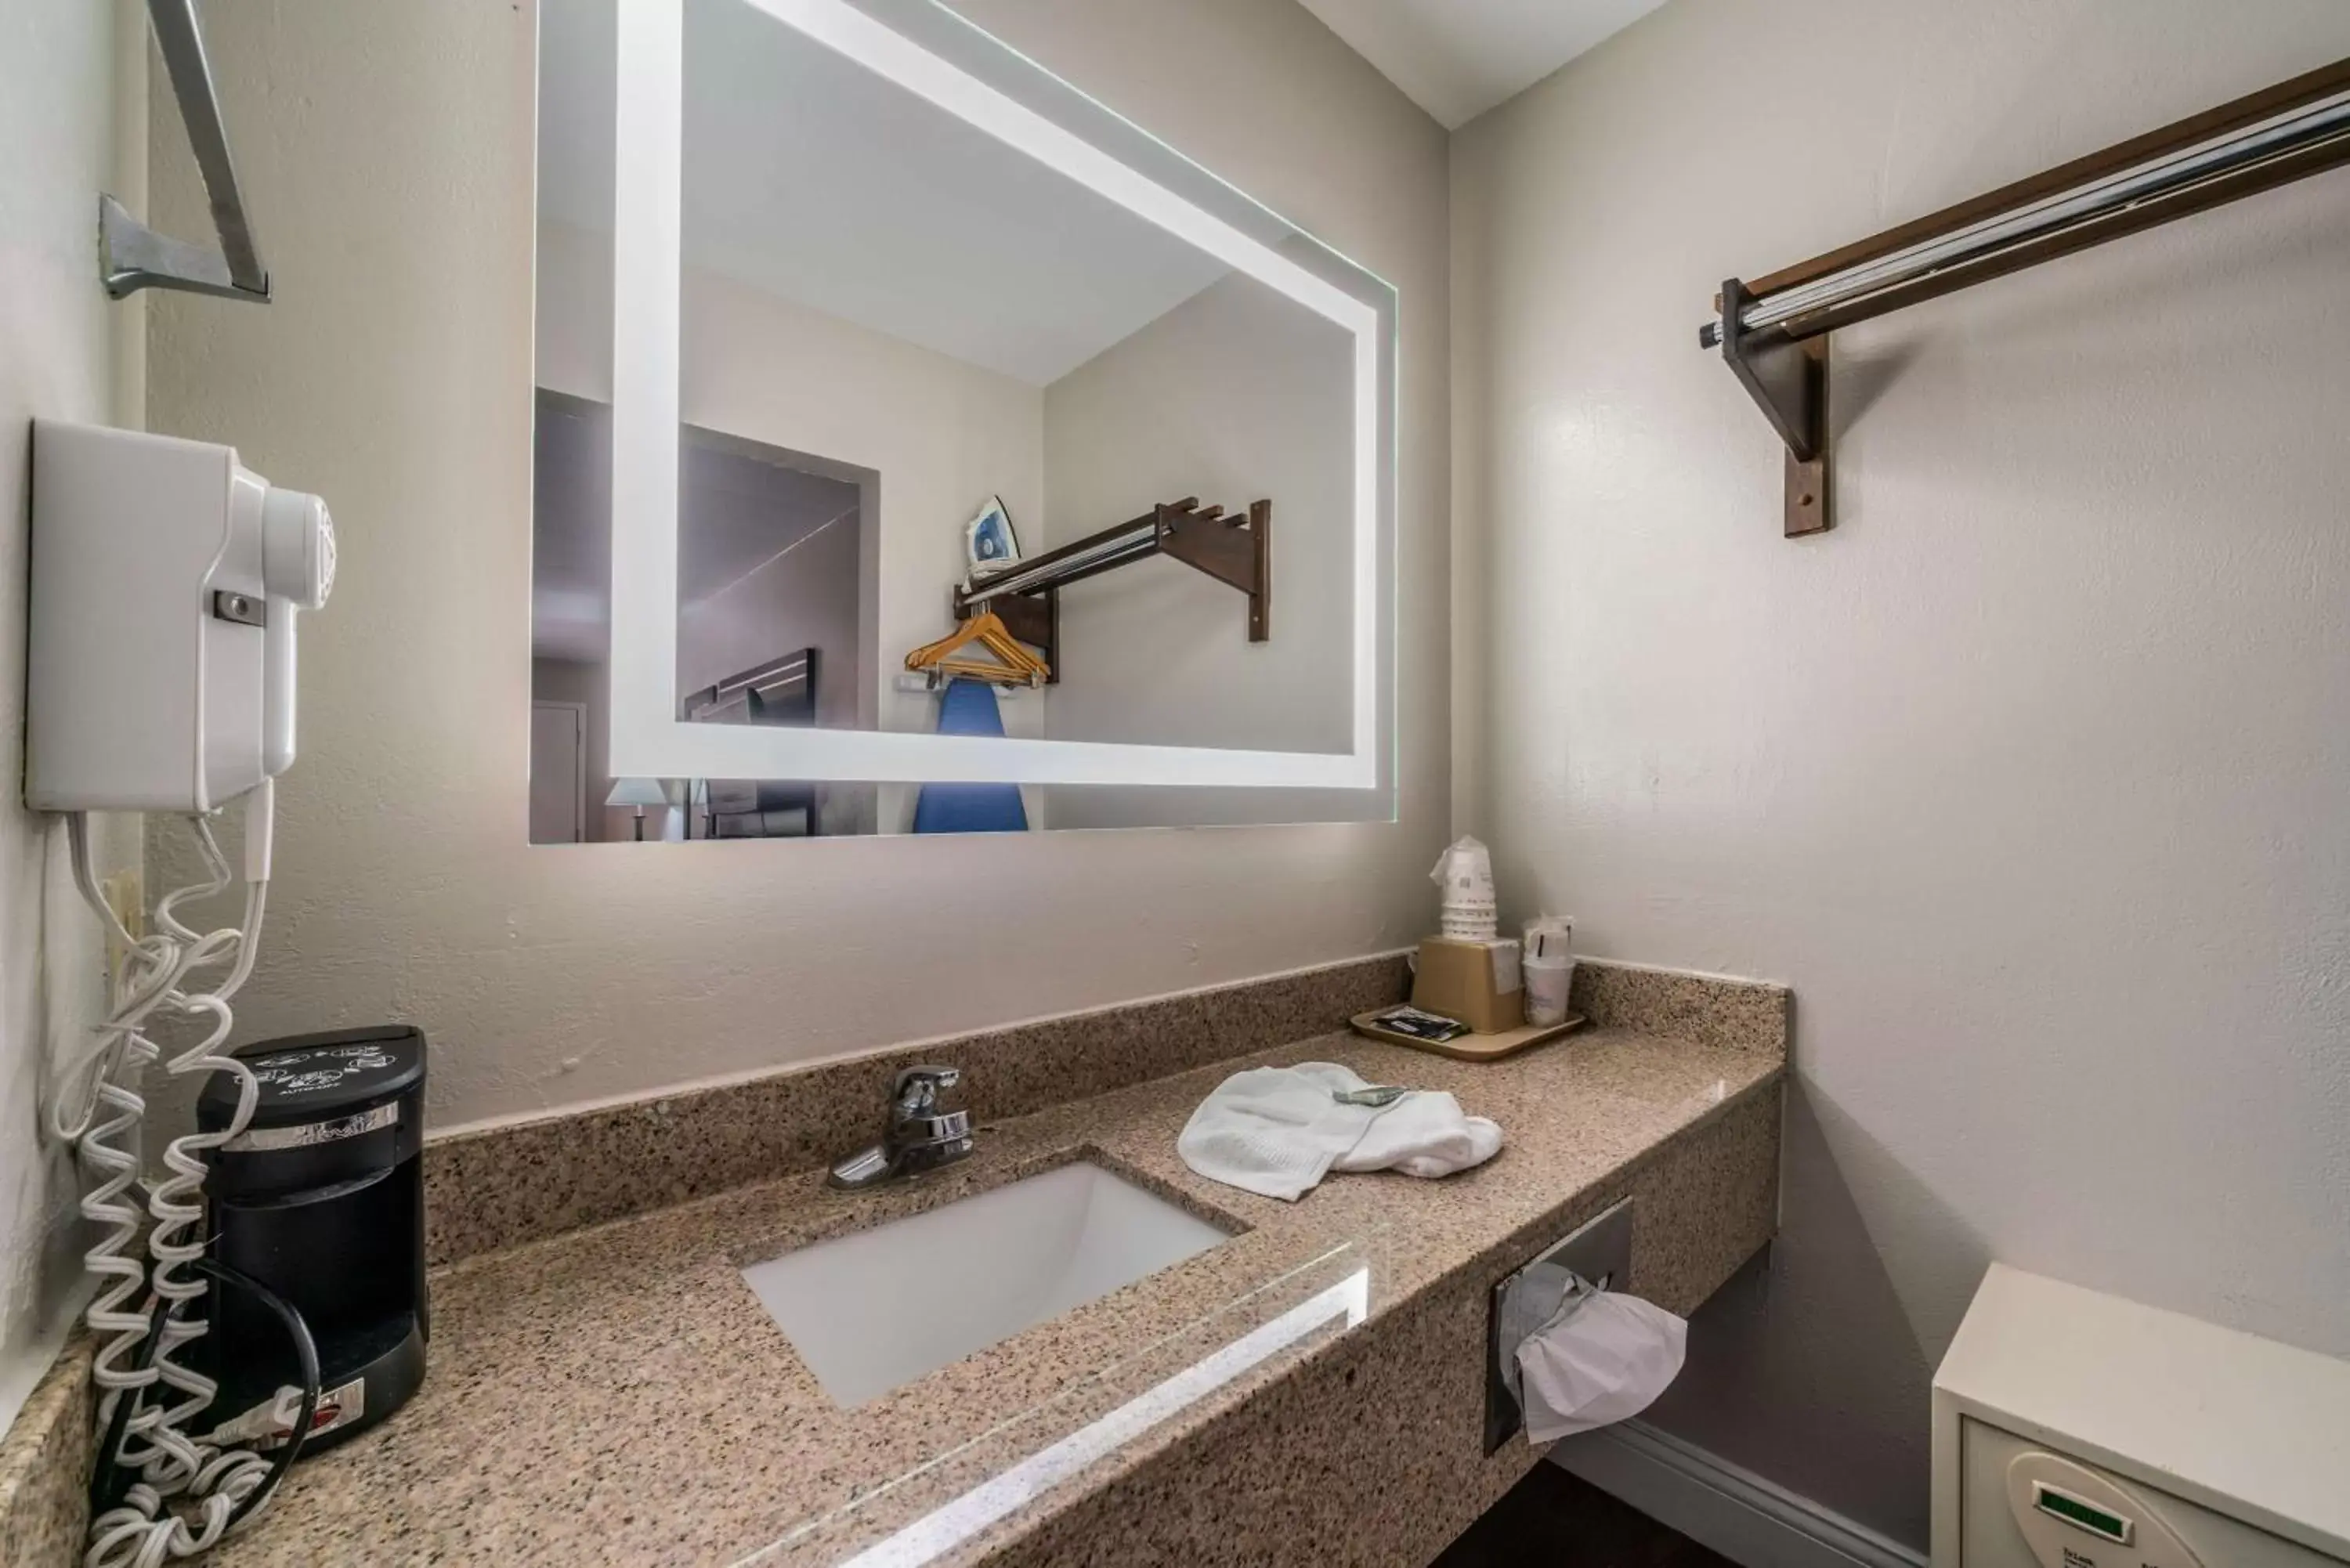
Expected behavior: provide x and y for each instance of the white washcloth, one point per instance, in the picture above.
(1277, 1132)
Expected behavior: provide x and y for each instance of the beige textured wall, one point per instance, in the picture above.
(387, 148)
(70, 74)
(2030, 777)
(1236, 394)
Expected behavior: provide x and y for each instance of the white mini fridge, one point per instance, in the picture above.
(2074, 1430)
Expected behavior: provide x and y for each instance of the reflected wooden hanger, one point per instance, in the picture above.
(1013, 662)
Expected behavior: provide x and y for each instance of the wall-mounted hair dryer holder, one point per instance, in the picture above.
(167, 579)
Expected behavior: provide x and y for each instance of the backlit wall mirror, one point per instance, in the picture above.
(922, 448)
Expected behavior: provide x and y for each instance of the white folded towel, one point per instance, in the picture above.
(1277, 1131)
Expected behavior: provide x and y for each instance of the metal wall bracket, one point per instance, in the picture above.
(132, 256)
(1788, 379)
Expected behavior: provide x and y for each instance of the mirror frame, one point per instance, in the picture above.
(648, 738)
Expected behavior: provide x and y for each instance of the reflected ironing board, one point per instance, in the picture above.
(968, 707)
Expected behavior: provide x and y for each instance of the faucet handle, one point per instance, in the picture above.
(921, 1134)
(918, 1088)
(917, 1117)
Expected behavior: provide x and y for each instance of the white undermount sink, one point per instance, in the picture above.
(874, 1309)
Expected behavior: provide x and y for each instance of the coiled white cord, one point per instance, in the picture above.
(102, 1086)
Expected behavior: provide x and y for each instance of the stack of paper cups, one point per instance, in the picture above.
(1470, 922)
(1465, 873)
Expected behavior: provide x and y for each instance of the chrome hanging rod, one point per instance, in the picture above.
(1235, 549)
(2321, 125)
(1137, 538)
(1773, 331)
(133, 256)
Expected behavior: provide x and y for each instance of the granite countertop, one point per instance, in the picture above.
(616, 1395)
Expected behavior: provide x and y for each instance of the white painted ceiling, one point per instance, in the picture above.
(1457, 58)
(810, 178)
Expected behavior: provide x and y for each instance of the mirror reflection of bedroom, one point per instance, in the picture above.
(776, 572)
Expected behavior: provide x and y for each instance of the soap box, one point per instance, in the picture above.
(1476, 982)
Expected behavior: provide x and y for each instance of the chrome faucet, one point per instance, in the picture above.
(922, 1134)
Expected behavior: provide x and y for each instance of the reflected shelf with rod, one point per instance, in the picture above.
(1234, 548)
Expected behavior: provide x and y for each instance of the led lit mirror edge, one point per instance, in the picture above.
(647, 740)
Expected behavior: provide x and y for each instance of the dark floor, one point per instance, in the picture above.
(1550, 1520)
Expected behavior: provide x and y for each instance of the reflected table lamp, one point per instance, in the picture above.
(640, 794)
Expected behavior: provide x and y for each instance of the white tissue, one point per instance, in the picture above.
(1603, 1358)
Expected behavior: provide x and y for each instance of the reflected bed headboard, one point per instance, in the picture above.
(780, 691)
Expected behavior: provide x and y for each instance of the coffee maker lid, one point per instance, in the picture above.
(307, 1078)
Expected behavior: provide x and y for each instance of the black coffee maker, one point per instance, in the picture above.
(321, 1200)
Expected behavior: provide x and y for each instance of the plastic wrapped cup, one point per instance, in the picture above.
(1547, 982)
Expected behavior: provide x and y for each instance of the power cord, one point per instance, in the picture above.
(188, 1494)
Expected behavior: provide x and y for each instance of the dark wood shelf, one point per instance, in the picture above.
(1234, 548)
